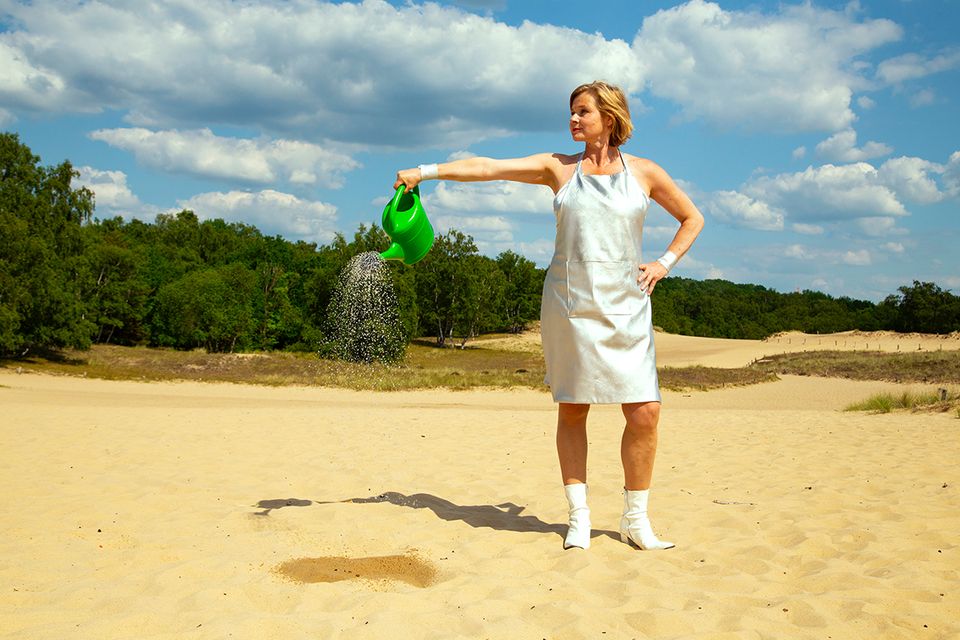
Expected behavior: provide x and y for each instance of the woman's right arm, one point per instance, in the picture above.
(536, 169)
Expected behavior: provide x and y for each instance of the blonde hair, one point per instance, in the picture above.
(612, 102)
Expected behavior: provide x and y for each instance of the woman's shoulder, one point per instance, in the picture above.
(640, 165)
(563, 158)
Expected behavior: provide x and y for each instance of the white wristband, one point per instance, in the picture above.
(668, 260)
(429, 172)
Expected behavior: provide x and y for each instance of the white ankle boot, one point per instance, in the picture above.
(635, 525)
(578, 535)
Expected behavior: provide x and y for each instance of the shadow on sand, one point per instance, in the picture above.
(506, 516)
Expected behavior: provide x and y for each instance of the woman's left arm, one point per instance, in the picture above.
(668, 195)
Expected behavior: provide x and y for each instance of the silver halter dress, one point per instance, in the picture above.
(596, 322)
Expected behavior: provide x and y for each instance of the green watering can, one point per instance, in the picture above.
(406, 223)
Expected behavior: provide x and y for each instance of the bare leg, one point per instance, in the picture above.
(638, 447)
(572, 451)
(572, 442)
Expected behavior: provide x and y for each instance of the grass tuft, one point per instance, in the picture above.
(941, 400)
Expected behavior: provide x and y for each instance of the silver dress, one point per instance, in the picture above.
(596, 322)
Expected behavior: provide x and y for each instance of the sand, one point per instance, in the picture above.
(189, 510)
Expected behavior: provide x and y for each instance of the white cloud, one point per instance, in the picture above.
(951, 175)
(842, 146)
(25, 85)
(827, 192)
(113, 197)
(799, 252)
(793, 70)
(799, 153)
(743, 211)
(202, 153)
(922, 98)
(460, 155)
(807, 229)
(270, 211)
(911, 178)
(911, 66)
(860, 258)
(313, 70)
(894, 247)
(486, 228)
(865, 102)
(659, 232)
(878, 226)
(500, 196)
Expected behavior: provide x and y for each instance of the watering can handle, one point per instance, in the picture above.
(399, 194)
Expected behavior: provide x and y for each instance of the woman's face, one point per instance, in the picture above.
(587, 124)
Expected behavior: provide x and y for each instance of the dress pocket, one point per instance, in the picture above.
(602, 288)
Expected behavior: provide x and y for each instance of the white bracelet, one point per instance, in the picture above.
(668, 260)
(429, 172)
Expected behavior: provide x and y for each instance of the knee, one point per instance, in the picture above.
(572, 415)
(642, 416)
(574, 411)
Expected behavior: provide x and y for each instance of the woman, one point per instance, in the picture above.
(596, 321)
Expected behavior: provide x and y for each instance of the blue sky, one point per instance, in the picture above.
(820, 139)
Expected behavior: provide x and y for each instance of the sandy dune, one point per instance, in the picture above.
(213, 511)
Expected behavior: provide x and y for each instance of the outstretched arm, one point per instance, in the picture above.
(672, 198)
(537, 169)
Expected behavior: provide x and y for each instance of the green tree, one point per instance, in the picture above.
(522, 290)
(441, 282)
(115, 293)
(41, 303)
(479, 300)
(209, 308)
(925, 307)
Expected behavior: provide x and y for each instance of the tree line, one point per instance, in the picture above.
(70, 280)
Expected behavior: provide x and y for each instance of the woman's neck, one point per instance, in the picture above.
(601, 154)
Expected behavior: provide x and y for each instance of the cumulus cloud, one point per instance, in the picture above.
(364, 72)
(911, 178)
(793, 70)
(270, 211)
(859, 258)
(26, 85)
(344, 71)
(894, 247)
(799, 252)
(507, 197)
(202, 153)
(911, 66)
(951, 175)
(842, 146)
(878, 226)
(922, 98)
(113, 196)
(827, 192)
(807, 229)
(740, 210)
(481, 228)
(872, 197)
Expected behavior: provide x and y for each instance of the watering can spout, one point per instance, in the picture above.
(393, 252)
(405, 221)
